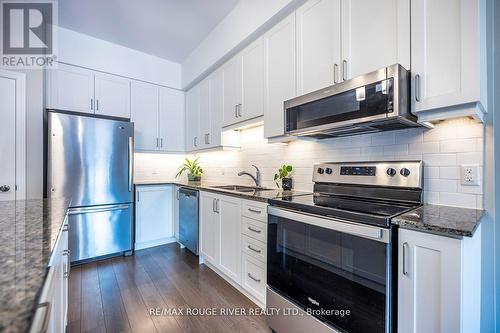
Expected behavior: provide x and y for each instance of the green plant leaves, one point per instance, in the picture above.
(192, 167)
(283, 172)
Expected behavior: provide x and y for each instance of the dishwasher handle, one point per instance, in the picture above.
(187, 192)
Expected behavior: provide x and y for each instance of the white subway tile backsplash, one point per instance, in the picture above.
(424, 147)
(442, 150)
(440, 159)
(458, 199)
(470, 158)
(449, 172)
(431, 172)
(440, 185)
(458, 145)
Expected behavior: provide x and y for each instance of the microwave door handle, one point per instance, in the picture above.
(355, 229)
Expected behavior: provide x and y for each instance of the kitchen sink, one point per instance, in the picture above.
(241, 188)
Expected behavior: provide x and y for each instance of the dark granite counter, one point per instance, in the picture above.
(262, 196)
(441, 220)
(28, 232)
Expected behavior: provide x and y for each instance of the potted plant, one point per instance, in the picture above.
(193, 169)
(283, 175)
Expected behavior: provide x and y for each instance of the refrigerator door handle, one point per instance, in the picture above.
(87, 210)
(130, 162)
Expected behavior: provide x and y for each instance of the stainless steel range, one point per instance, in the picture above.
(330, 254)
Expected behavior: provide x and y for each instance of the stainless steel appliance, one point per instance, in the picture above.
(188, 219)
(374, 102)
(330, 254)
(90, 161)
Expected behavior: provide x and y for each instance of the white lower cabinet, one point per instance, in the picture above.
(438, 283)
(209, 228)
(154, 215)
(239, 258)
(51, 311)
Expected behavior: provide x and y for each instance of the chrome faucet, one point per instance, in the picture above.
(255, 178)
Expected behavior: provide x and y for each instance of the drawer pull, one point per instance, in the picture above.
(254, 211)
(253, 278)
(253, 249)
(254, 230)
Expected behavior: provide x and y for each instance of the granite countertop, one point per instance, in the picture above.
(441, 220)
(28, 232)
(263, 196)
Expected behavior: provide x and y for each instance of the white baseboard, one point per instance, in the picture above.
(153, 243)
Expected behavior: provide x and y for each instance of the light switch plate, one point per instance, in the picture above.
(469, 175)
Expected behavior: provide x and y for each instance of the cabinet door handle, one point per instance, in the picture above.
(253, 249)
(157, 143)
(213, 205)
(195, 141)
(46, 316)
(161, 142)
(240, 114)
(208, 138)
(217, 205)
(335, 73)
(236, 111)
(405, 258)
(417, 87)
(67, 269)
(97, 105)
(253, 278)
(256, 211)
(254, 230)
(177, 194)
(91, 104)
(344, 70)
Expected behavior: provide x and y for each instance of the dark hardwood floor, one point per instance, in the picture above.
(116, 295)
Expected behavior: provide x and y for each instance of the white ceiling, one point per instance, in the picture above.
(169, 29)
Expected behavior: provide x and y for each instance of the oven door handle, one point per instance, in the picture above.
(356, 229)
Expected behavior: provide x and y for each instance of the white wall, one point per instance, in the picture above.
(442, 149)
(86, 51)
(237, 28)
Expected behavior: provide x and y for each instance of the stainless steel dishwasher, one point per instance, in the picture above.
(188, 219)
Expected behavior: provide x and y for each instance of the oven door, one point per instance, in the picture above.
(340, 272)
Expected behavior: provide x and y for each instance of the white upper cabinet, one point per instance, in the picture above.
(144, 99)
(279, 74)
(375, 34)
(231, 73)
(112, 95)
(318, 45)
(193, 118)
(171, 120)
(70, 88)
(205, 113)
(252, 79)
(216, 108)
(445, 54)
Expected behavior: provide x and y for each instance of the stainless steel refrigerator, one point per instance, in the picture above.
(90, 161)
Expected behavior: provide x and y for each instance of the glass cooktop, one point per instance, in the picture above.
(355, 209)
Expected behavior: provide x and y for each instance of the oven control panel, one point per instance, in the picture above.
(358, 170)
(390, 173)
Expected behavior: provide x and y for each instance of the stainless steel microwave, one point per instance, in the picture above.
(374, 102)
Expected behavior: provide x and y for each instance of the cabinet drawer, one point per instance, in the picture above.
(254, 210)
(254, 229)
(254, 248)
(254, 277)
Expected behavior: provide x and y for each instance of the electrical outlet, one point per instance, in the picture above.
(469, 175)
